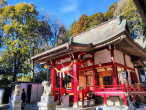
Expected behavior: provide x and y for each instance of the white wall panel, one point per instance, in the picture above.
(119, 57)
(102, 56)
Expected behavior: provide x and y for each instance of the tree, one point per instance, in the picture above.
(134, 21)
(19, 29)
(3, 3)
(82, 24)
(96, 19)
(110, 13)
(71, 29)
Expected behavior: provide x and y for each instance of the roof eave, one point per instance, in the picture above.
(51, 51)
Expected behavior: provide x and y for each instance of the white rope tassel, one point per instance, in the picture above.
(60, 75)
(63, 75)
(57, 73)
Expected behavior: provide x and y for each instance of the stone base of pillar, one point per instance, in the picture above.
(126, 107)
(92, 102)
(16, 103)
(47, 103)
(75, 105)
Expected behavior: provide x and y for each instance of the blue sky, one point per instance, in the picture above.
(68, 11)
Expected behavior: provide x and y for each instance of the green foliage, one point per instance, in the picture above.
(109, 14)
(3, 3)
(86, 22)
(72, 28)
(82, 24)
(41, 75)
(134, 21)
(96, 19)
(24, 78)
(19, 28)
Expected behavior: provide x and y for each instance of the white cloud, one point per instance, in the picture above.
(69, 6)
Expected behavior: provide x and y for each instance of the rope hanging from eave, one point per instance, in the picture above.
(74, 61)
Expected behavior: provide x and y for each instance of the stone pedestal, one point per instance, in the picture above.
(86, 103)
(16, 103)
(82, 104)
(92, 102)
(75, 105)
(47, 103)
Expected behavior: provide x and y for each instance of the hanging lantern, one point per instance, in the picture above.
(46, 66)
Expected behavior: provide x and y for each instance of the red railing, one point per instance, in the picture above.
(109, 88)
(136, 88)
(62, 91)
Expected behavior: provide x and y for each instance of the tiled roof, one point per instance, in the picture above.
(100, 33)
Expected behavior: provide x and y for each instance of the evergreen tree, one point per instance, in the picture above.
(82, 24)
(110, 13)
(96, 19)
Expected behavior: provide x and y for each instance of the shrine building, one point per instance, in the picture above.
(103, 61)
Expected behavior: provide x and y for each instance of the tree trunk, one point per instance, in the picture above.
(16, 65)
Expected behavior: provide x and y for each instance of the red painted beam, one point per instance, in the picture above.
(95, 66)
(58, 66)
(120, 65)
(87, 59)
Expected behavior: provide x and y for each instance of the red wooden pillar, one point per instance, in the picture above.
(105, 102)
(133, 98)
(125, 100)
(60, 81)
(75, 74)
(114, 67)
(141, 98)
(53, 82)
(94, 71)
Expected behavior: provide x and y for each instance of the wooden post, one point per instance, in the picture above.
(113, 66)
(94, 71)
(82, 93)
(133, 98)
(53, 82)
(75, 74)
(105, 102)
(60, 81)
(141, 98)
(125, 100)
(124, 90)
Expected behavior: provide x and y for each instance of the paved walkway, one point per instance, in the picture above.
(35, 107)
(27, 107)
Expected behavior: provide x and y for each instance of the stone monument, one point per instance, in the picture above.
(16, 99)
(47, 98)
